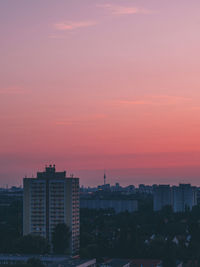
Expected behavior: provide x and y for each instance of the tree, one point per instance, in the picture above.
(61, 238)
(31, 244)
(33, 262)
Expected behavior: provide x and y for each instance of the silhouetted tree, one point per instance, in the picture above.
(32, 245)
(61, 238)
(33, 262)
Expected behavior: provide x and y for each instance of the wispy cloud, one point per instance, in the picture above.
(157, 100)
(72, 25)
(115, 10)
(12, 91)
(69, 122)
(171, 99)
(124, 10)
(135, 102)
(82, 120)
(59, 37)
(195, 108)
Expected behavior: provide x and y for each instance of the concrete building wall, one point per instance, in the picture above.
(117, 205)
(184, 197)
(51, 199)
(72, 211)
(180, 197)
(26, 207)
(162, 197)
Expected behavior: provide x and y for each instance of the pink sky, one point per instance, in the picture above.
(98, 84)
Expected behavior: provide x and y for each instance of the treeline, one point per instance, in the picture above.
(146, 234)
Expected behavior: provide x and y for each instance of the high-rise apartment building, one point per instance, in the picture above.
(184, 197)
(162, 197)
(180, 198)
(50, 199)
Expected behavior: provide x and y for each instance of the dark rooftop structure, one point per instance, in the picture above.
(50, 173)
(75, 263)
(146, 263)
(47, 260)
(116, 263)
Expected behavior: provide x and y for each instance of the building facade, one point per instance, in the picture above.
(180, 198)
(162, 197)
(117, 205)
(184, 197)
(50, 199)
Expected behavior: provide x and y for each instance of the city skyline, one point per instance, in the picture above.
(95, 84)
(113, 177)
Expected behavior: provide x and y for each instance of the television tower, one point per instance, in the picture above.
(104, 177)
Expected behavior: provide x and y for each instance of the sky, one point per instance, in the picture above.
(100, 84)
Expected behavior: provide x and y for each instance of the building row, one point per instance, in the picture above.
(118, 205)
(181, 198)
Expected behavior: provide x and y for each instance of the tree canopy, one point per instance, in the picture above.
(61, 238)
(31, 244)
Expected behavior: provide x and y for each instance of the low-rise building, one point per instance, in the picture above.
(47, 260)
(116, 263)
(146, 263)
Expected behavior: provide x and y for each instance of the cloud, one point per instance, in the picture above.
(137, 102)
(12, 91)
(72, 25)
(156, 100)
(171, 97)
(195, 108)
(124, 10)
(82, 121)
(59, 37)
(69, 122)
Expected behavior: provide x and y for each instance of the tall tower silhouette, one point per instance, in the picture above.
(104, 177)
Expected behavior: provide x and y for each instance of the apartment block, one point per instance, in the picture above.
(180, 198)
(162, 197)
(50, 199)
(184, 197)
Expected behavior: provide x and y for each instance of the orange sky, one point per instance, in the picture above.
(94, 84)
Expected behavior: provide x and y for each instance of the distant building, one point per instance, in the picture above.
(75, 263)
(47, 260)
(117, 188)
(162, 197)
(51, 199)
(145, 189)
(131, 263)
(130, 189)
(119, 205)
(104, 187)
(180, 198)
(184, 197)
(146, 263)
(9, 195)
(116, 263)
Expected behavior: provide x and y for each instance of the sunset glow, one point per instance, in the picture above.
(100, 84)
